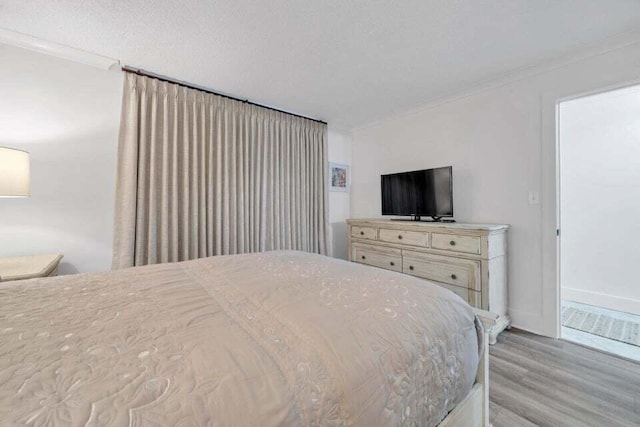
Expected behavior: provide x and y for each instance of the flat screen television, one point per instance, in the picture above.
(427, 192)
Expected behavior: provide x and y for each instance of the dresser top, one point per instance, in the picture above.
(428, 224)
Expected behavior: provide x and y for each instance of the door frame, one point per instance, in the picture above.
(551, 215)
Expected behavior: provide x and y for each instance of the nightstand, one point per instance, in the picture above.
(29, 267)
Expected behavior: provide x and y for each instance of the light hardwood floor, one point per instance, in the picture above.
(541, 381)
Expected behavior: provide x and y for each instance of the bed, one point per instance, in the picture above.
(275, 338)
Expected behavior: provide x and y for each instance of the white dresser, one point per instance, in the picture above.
(468, 259)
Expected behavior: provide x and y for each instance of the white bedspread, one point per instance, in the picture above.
(278, 338)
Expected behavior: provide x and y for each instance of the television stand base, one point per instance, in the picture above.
(433, 218)
(418, 218)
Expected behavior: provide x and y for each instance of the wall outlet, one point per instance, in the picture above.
(534, 197)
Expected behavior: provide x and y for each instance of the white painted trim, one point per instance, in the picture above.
(551, 220)
(549, 170)
(612, 302)
(58, 50)
(526, 320)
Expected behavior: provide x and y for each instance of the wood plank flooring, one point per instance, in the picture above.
(545, 382)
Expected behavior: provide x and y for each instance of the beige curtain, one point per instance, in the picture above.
(201, 175)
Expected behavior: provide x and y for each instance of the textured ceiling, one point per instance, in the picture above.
(349, 62)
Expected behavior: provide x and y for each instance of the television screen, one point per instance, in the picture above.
(426, 192)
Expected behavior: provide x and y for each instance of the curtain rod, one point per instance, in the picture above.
(140, 72)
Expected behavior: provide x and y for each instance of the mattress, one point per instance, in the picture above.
(276, 338)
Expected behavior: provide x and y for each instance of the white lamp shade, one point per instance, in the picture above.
(14, 173)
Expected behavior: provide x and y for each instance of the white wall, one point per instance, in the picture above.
(600, 199)
(339, 203)
(500, 141)
(67, 116)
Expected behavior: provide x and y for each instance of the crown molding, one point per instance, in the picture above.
(25, 41)
(615, 43)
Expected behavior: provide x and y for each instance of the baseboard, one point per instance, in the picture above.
(611, 302)
(527, 321)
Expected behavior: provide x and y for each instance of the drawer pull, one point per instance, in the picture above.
(452, 242)
(454, 277)
(362, 233)
(400, 236)
(392, 263)
(411, 267)
(364, 257)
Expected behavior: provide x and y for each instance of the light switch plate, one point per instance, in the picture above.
(534, 197)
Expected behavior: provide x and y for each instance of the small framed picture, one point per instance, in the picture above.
(338, 177)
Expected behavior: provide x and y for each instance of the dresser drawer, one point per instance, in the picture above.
(456, 243)
(461, 292)
(387, 258)
(453, 271)
(364, 233)
(475, 299)
(471, 297)
(413, 238)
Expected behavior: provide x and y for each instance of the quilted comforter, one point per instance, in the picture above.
(276, 338)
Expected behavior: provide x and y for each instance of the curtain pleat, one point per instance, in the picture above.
(202, 175)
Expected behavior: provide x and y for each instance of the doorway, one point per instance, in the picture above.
(599, 217)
